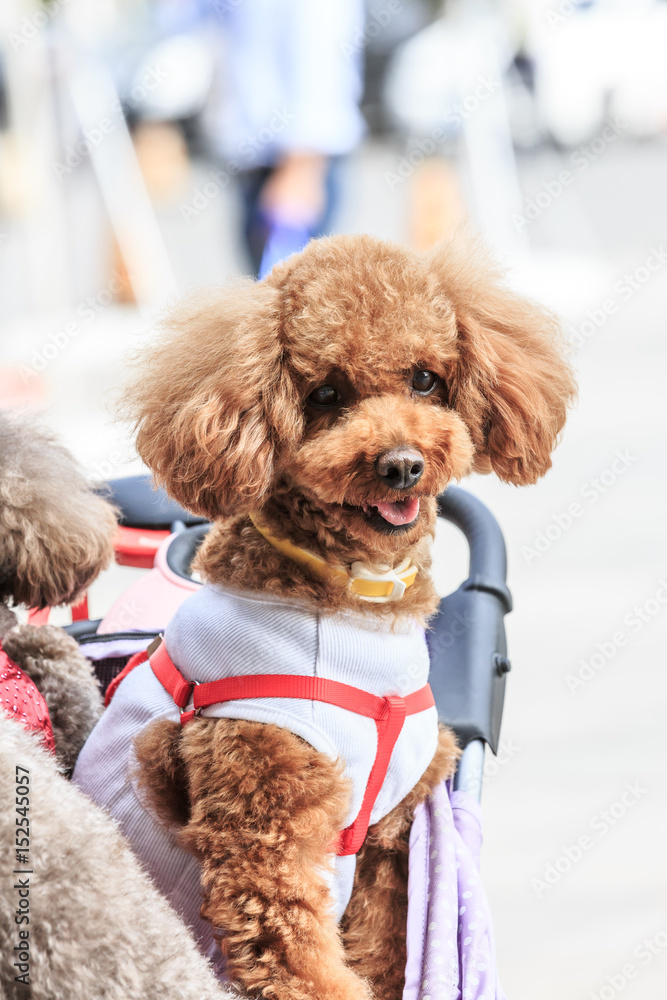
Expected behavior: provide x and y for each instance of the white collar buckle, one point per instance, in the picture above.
(360, 571)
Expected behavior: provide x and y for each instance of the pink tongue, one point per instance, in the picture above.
(401, 512)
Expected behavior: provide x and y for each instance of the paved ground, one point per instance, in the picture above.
(576, 811)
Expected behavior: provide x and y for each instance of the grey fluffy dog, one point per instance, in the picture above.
(98, 928)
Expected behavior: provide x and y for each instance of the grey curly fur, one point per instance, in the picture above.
(99, 930)
(55, 538)
(55, 531)
(7, 620)
(66, 679)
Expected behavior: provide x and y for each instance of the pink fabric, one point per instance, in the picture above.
(151, 601)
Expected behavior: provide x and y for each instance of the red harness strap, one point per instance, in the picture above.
(388, 713)
(133, 662)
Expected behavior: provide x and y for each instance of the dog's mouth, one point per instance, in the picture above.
(392, 515)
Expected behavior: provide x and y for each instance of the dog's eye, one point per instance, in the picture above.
(324, 395)
(424, 382)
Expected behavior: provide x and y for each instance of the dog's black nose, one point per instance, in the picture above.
(400, 468)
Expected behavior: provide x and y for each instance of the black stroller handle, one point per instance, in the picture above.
(142, 505)
(466, 638)
(488, 556)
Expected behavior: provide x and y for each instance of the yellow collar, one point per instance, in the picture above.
(379, 588)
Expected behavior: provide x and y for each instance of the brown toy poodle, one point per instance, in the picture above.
(314, 417)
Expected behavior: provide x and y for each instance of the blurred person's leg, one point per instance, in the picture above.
(250, 183)
(287, 205)
(295, 191)
(288, 112)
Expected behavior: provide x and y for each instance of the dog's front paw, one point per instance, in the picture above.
(354, 988)
(342, 985)
(321, 984)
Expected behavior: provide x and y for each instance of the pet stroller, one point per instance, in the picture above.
(449, 932)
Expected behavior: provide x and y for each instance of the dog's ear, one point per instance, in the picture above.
(56, 531)
(213, 400)
(512, 383)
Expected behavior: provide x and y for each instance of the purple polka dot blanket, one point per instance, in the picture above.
(451, 952)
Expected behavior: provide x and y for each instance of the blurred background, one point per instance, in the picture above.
(151, 146)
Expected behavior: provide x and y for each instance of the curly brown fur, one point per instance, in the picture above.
(226, 421)
(65, 678)
(264, 808)
(99, 930)
(374, 923)
(225, 424)
(55, 532)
